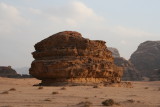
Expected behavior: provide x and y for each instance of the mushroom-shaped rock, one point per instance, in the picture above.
(68, 57)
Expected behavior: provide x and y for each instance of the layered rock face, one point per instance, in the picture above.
(68, 57)
(130, 72)
(8, 72)
(147, 59)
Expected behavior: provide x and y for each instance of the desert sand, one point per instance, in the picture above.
(22, 93)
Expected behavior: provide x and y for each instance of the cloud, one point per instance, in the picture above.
(35, 11)
(10, 18)
(73, 14)
(129, 32)
(9, 11)
(81, 12)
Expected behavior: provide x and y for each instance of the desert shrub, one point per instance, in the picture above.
(55, 92)
(146, 88)
(5, 92)
(138, 101)
(12, 89)
(108, 102)
(130, 101)
(63, 88)
(85, 104)
(47, 99)
(40, 87)
(86, 98)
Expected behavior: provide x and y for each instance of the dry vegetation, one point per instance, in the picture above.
(40, 87)
(63, 88)
(85, 104)
(12, 89)
(130, 101)
(55, 92)
(146, 88)
(108, 102)
(47, 99)
(5, 92)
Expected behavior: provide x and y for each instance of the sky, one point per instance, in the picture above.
(123, 24)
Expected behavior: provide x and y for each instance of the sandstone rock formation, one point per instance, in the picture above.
(8, 72)
(147, 59)
(130, 72)
(68, 57)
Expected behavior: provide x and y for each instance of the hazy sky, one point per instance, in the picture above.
(123, 24)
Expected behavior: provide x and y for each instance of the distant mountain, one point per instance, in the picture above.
(147, 59)
(23, 70)
(7, 71)
(130, 72)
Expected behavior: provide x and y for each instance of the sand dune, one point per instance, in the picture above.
(22, 93)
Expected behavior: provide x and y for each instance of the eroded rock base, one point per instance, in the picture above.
(100, 82)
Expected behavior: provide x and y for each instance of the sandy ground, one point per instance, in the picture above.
(24, 94)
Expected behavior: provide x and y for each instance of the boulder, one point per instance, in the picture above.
(130, 72)
(68, 57)
(147, 59)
